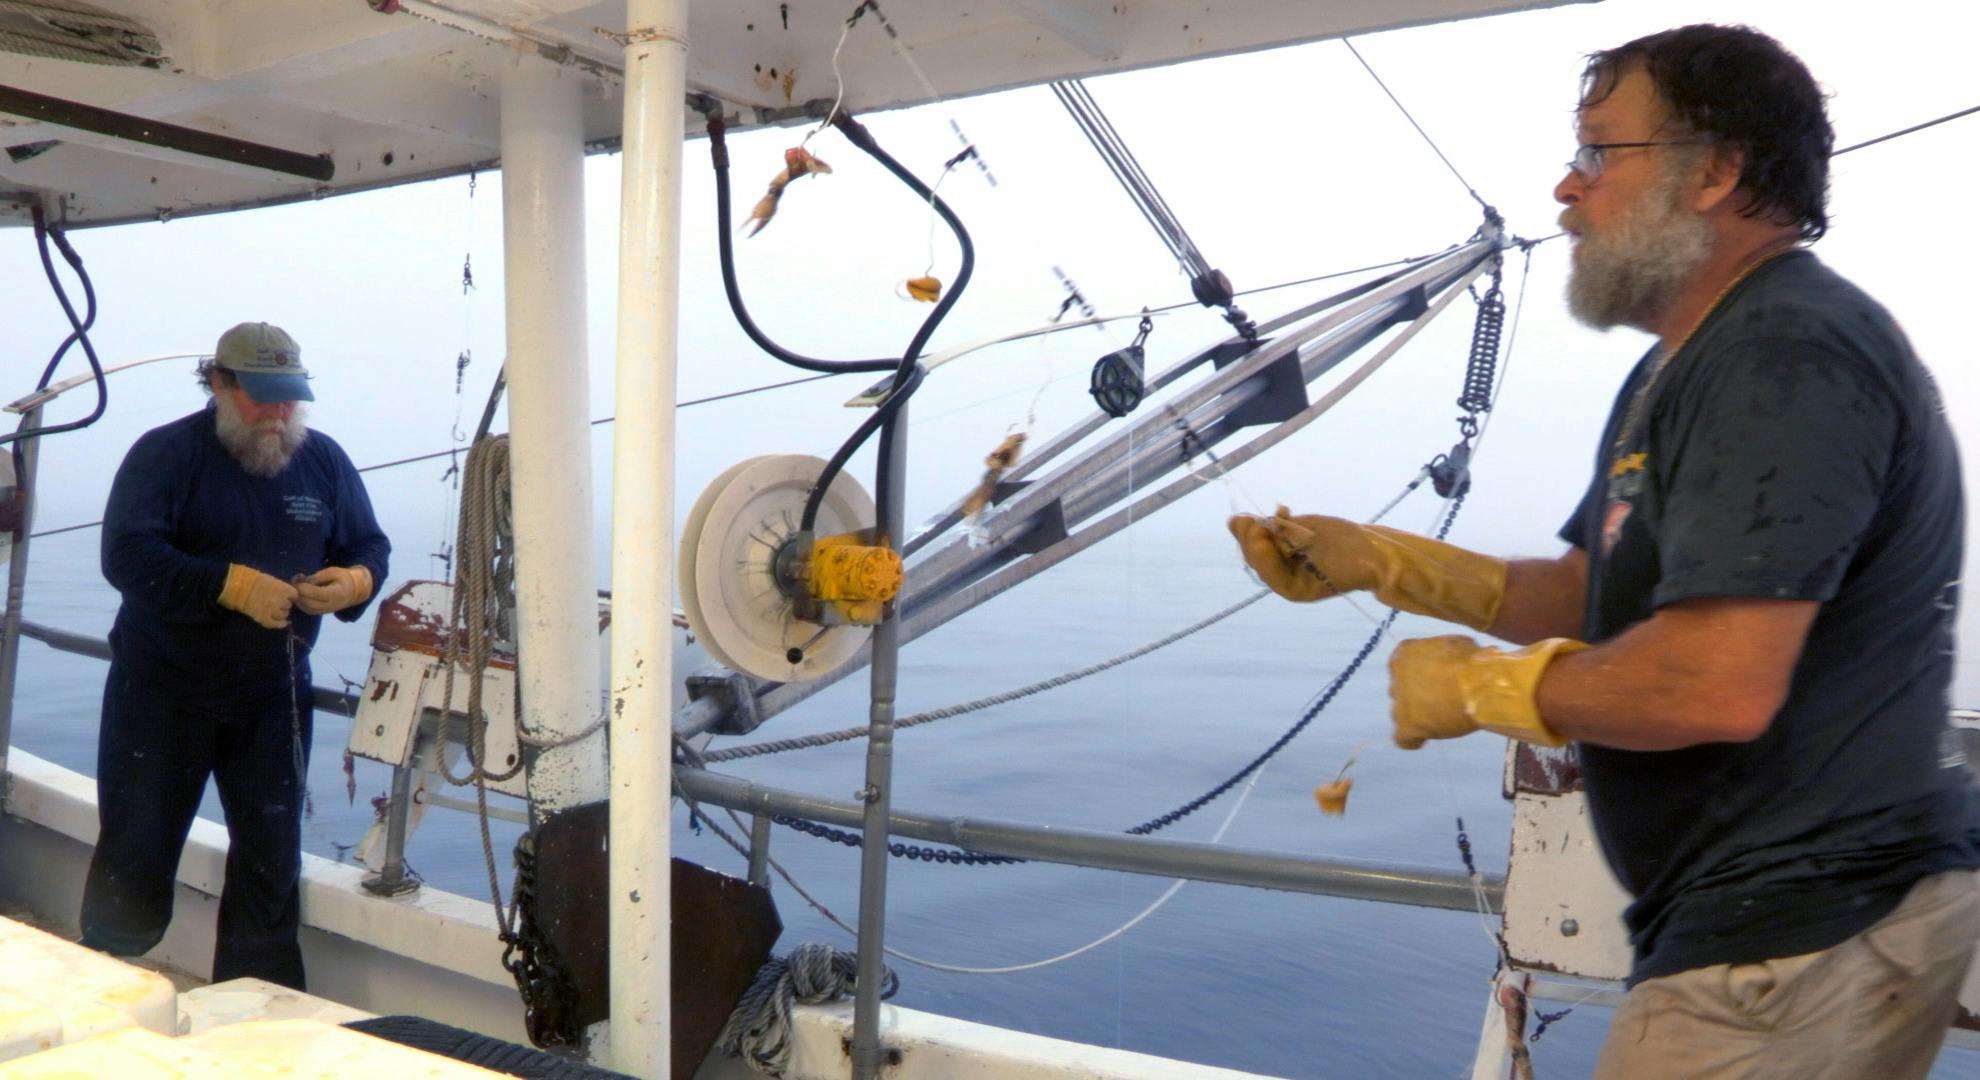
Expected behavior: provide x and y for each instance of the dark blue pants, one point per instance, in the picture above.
(152, 761)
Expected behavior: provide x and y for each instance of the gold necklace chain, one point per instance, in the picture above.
(1642, 396)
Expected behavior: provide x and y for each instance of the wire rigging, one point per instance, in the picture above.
(1473, 192)
(1120, 160)
(1907, 131)
(1209, 285)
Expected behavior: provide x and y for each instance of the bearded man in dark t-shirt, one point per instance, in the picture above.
(1750, 639)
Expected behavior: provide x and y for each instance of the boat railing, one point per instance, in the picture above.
(1195, 861)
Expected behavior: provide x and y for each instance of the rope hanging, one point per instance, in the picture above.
(72, 30)
(484, 573)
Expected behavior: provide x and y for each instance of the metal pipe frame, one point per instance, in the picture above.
(550, 478)
(17, 570)
(639, 869)
(321, 698)
(759, 849)
(1115, 851)
(1224, 387)
(391, 880)
(148, 132)
(1049, 451)
(960, 575)
(878, 795)
(941, 610)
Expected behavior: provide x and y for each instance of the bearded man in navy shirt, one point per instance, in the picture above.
(229, 534)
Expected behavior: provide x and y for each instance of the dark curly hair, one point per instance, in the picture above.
(1738, 88)
(211, 376)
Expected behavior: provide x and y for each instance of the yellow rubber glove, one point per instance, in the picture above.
(1445, 687)
(334, 588)
(1311, 557)
(261, 597)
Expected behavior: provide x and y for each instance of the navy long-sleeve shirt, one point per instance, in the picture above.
(181, 509)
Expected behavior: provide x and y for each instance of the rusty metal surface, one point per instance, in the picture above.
(1539, 770)
(404, 623)
(723, 929)
(411, 618)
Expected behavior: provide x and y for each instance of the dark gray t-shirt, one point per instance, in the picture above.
(1794, 449)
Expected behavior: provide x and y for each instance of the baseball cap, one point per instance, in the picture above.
(267, 362)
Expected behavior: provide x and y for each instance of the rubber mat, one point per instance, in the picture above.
(475, 1049)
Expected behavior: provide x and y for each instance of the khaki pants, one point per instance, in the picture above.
(1877, 1005)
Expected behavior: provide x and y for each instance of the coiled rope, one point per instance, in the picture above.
(759, 1030)
(72, 30)
(484, 573)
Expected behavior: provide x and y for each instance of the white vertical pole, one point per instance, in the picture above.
(550, 433)
(642, 522)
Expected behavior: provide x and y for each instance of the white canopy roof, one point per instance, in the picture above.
(381, 97)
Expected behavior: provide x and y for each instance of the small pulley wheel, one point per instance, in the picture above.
(730, 546)
(1117, 381)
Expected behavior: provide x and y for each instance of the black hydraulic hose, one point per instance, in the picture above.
(908, 376)
(78, 330)
(857, 134)
(718, 149)
(883, 415)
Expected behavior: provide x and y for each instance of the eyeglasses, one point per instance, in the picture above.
(1588, 158)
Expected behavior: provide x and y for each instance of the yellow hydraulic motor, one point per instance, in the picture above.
(850, 580)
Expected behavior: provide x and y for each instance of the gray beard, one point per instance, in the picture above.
(262, 453)
(1632, 273)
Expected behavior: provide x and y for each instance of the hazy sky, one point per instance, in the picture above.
(1282, 165)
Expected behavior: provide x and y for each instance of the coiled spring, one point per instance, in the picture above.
(1479, 374)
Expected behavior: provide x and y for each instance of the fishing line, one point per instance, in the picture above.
(444, 552)
(455, 450)
(922, 419)
(837, 78)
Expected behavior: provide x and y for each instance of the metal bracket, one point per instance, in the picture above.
(1048, 522)
(736, 695)
(1284, 396)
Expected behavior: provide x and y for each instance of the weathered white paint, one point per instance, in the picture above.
(940, 1048)
(203, 1008)
(1557, 880)
(431, 953)
(401, 97)
(640, 694)
(54, 991)
(1494, 1042)
(550, 433)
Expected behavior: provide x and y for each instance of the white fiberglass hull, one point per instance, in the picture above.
(435, 954)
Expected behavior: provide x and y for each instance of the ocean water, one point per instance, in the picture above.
(1278, 983)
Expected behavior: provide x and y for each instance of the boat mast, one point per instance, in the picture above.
(643, 549)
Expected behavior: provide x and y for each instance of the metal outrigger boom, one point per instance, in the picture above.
(1045, 517)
